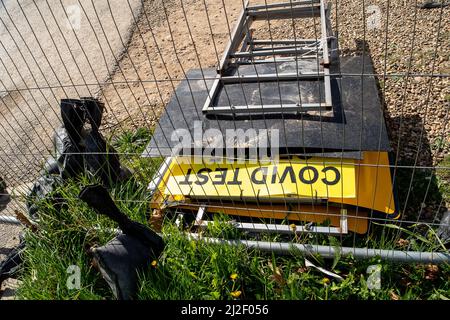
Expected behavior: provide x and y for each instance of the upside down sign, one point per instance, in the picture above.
(316, 178)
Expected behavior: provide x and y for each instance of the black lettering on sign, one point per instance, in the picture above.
(264, 175)
(274, 174)
(202, 178)
(186, 178)
(291, 175)
(221, 176)
(337, 176)
(306, 177)
(235, 180)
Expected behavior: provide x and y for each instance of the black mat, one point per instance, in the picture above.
(355, 124)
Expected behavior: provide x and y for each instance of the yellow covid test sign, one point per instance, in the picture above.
(316, 178)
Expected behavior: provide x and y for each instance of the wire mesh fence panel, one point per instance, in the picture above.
(311, 125)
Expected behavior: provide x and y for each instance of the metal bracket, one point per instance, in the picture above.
(276, 51)
(278, 228)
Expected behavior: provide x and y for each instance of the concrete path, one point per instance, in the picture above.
(50, 49)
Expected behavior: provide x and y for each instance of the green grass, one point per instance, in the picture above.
(130, 145)
(197, 270)
(66, 232)
(443, 177)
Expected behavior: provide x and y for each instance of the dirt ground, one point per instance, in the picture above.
(416, 107)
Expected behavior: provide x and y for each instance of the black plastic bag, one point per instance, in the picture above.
(120, 260)
(43, 188)
(4, 196)
(10, 266)
(86, 147)
(79, 147)
(102, 160)
(97, 197)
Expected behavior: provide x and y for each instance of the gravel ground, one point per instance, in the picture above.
(418, 41)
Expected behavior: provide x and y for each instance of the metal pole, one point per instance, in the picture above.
(330, 252)
(9, 220)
